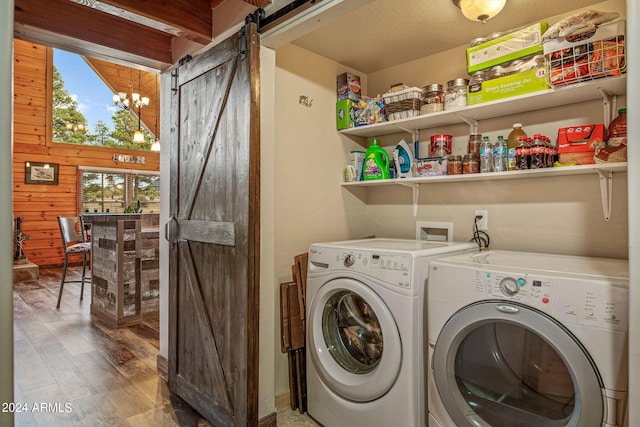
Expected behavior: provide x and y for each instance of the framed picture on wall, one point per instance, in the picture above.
(41, 173)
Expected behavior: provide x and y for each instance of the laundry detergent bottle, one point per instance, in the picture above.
(376, 162)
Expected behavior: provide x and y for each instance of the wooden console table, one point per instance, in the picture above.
(124, 267)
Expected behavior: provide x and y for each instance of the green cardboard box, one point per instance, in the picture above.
(346, 113)
(508, 86)
(515, 45)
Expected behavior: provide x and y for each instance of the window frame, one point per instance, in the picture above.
(128, 173)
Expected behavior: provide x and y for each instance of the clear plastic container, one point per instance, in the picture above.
(617, 134)
(475, 139)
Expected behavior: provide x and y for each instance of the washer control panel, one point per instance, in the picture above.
(389, 267)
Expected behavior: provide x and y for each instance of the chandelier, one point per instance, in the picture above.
(76, 127)
(136, 103)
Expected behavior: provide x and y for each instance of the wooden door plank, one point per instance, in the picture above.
(216, 232)
(212, 357)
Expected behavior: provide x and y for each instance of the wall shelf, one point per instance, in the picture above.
(605, 172)
(580, 92)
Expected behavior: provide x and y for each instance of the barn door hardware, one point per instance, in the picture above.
(174, 73)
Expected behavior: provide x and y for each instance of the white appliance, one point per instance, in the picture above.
(365, 330)
(527, 339)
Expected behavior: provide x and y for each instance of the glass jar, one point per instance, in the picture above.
(433, 96)
(454, 165)
(475, 83)
(456, 96)
(475, 139)
(471, 163)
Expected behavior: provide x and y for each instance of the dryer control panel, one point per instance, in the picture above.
(535, 291)
(594, 303)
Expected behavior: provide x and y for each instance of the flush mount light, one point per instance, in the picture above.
(480, 10)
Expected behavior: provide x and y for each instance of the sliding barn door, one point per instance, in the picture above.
(214, 231)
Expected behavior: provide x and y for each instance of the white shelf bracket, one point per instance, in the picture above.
(415, 190)
(473, 123)
(609, 102)
(606, 191)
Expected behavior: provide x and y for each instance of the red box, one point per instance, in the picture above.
(579, 139)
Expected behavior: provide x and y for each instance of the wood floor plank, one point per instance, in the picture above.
(108, 376)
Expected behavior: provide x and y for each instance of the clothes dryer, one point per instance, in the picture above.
(527, 339)
(365, 330)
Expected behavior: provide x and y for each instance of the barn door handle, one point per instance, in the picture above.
(169, 231)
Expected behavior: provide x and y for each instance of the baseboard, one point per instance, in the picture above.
(162, 366)
(282, 401)
(270, 420)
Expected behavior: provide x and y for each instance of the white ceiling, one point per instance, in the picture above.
(384, 33)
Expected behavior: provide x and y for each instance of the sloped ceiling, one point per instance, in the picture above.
(124, 41)
(124, 79)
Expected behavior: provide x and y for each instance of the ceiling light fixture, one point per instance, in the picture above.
(480, 10)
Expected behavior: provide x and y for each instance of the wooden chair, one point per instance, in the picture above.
(73, 242)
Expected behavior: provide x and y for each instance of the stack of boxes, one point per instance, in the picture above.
(349, 93)
(509, 65)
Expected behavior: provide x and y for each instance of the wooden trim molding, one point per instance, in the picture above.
(270, 420)
(162, 366)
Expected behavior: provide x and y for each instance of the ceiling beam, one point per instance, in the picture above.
(86, 24)
(189, 19)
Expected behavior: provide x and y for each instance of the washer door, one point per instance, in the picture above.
(354, 340)
(505, 364)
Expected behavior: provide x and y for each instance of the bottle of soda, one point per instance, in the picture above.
(617, 134)
(536, 152)
(486, 155)
(500, 155)
(522, 153)
(512, 145)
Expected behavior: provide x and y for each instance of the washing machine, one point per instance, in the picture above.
(527, 339)
(365, 330)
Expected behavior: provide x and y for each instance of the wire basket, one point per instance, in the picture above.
(587, 56)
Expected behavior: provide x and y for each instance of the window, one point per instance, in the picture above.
(84, 110)
(110, 190)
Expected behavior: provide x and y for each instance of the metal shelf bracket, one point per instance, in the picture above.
(606, 191)
(415, 189)
(473, 123)
(609, 102)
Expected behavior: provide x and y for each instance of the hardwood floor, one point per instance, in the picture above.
(72, 371)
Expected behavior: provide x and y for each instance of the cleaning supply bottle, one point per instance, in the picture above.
(512, 144)
(376, 162)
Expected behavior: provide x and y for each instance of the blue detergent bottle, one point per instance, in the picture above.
(376, 162)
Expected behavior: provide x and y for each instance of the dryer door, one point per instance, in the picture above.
(354, 341)
(499, 363)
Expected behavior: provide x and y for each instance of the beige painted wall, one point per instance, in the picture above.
(553, 214)
(310, 155)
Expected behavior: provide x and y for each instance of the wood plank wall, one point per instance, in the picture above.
(39, 205)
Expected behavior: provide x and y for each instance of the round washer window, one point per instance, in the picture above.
(352, 332)
(354, 343)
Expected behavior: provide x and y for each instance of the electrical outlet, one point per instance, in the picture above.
(483, 223)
